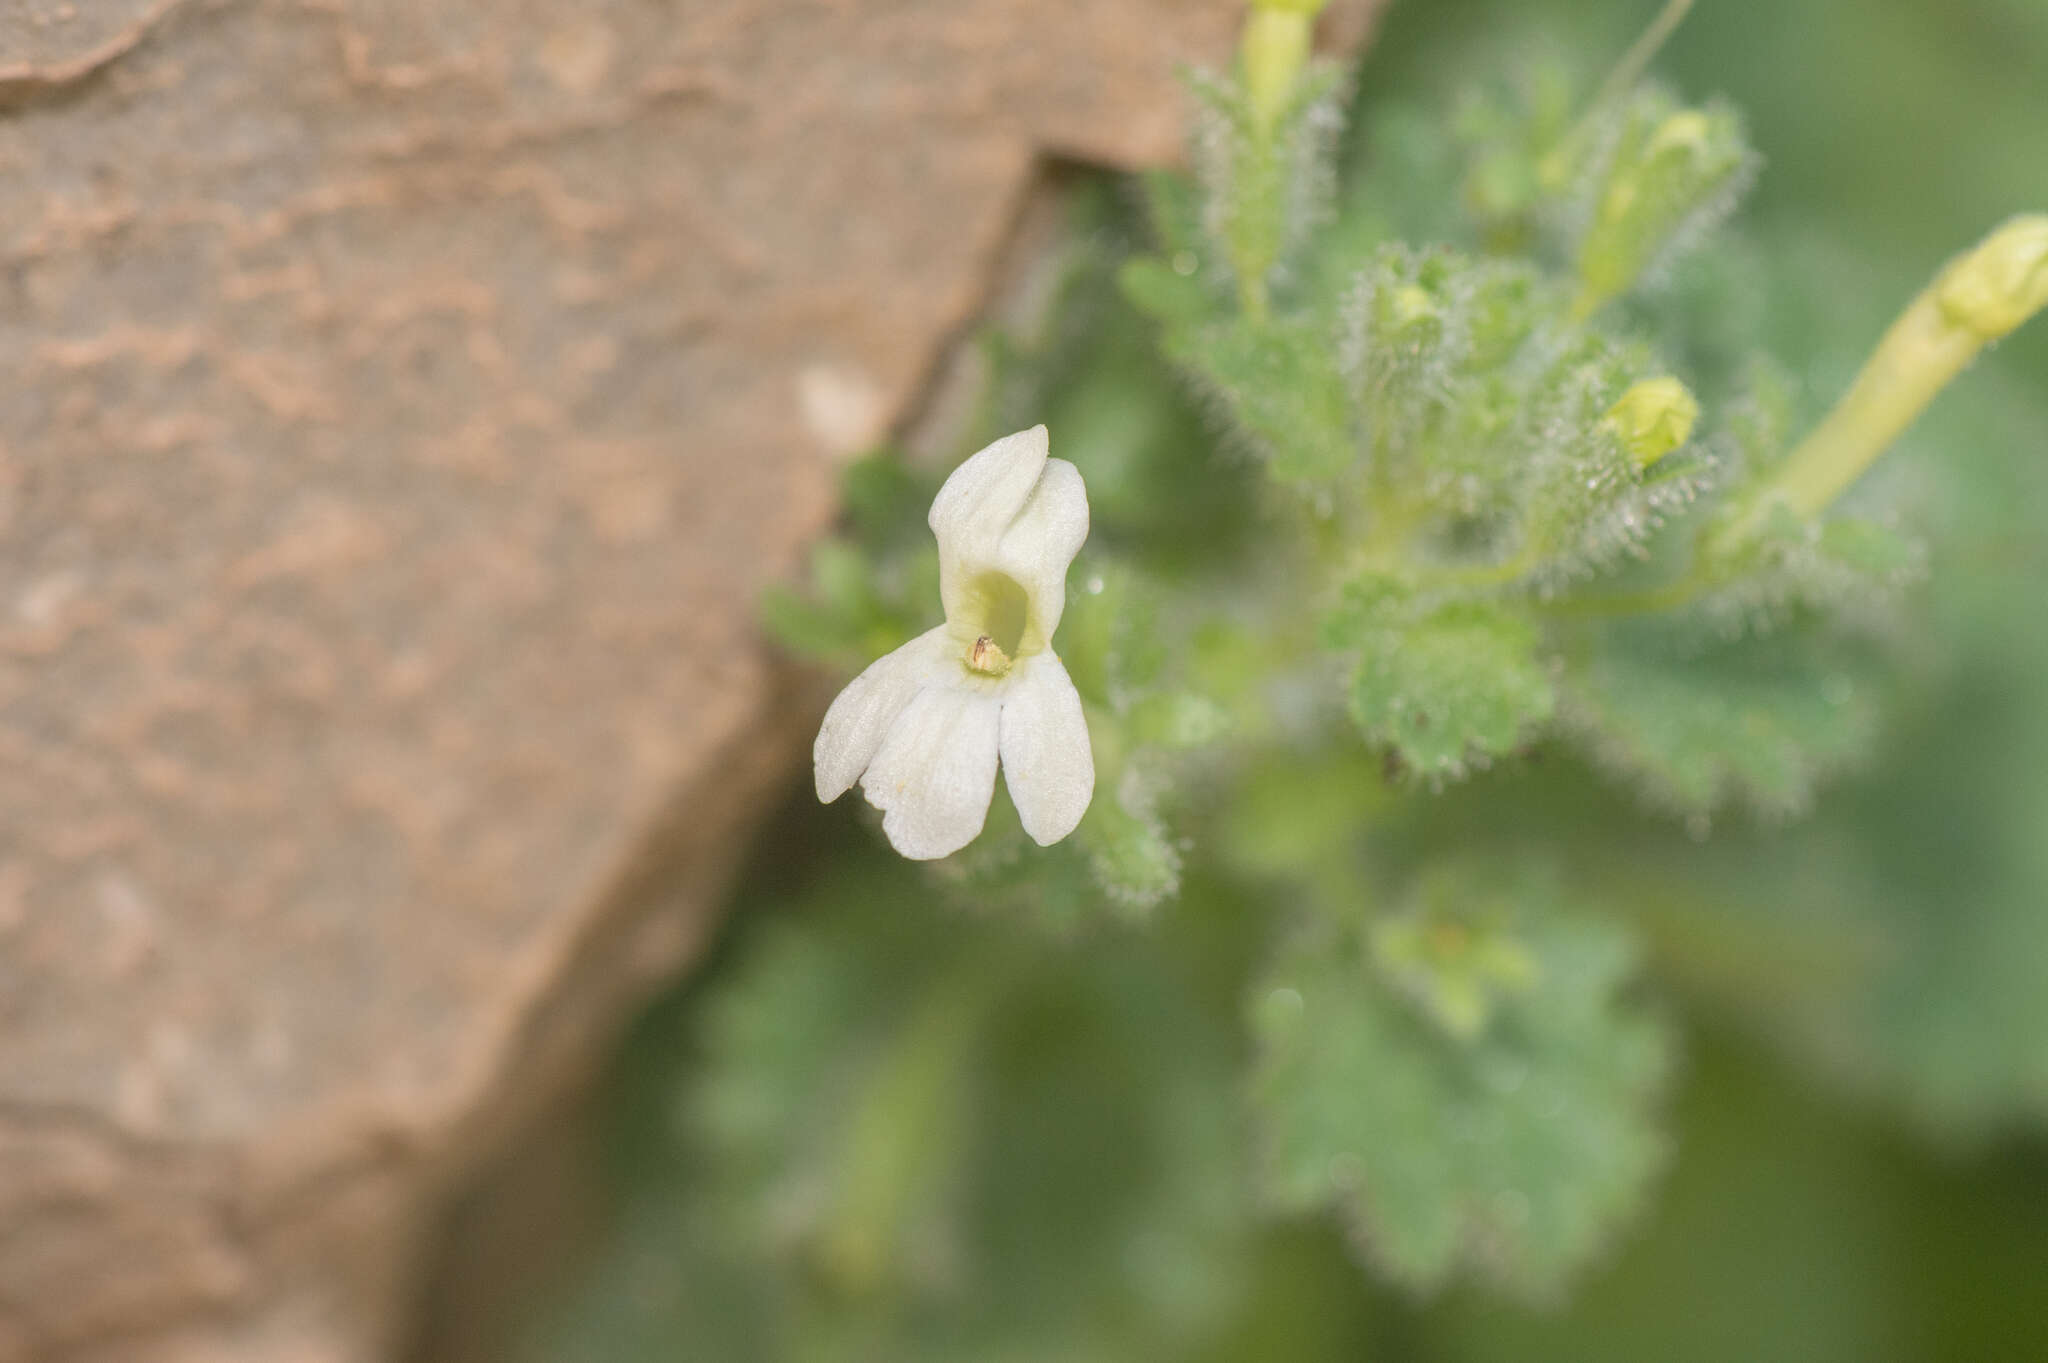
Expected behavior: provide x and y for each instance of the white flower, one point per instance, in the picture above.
(922, 728)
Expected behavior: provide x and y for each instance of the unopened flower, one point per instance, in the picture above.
(1977, 298)
(1653, 418)
(2000, 284)
(922, 729)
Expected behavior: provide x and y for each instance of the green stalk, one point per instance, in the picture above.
(1977, 298)
(1272, 54)
(1556, 165)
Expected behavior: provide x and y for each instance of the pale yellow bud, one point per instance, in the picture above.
(1653, 418)
(1410, 304)
(2000, 284)
(1275, 49)
(1687, 130)
(1978, 297)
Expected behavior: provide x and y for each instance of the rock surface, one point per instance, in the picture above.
(408, 401)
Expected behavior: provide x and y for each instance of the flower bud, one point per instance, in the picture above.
(2000, 284)
(1653, 418)
(1409, 305)
(1668, 175)
(1275, 48)
(1687, 133)
(1978, 297)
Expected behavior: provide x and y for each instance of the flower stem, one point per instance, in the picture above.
(1636, 60)
(1680, 591)
(1556, 166)
(1977, 298)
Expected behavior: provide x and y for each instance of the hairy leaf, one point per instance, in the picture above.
(1279, 385)
(1757, 720)
(1513, 1154)
(1457, 687)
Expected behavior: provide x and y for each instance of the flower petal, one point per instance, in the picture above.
(936, 771)
(983, 495)
(978, 502)
(1047, 761)
(861, 716)
(1042, 542)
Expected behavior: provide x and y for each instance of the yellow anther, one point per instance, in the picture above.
(987, 658)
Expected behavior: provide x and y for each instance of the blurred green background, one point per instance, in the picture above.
(1861, 1183)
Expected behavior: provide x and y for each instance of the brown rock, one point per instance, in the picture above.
(407, 402)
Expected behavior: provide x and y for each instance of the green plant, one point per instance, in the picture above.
(1393, 544)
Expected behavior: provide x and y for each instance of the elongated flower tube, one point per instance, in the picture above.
(1977, 298)
(922, 729)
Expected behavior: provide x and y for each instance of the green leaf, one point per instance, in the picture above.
(1369, 605)
(1512, 1154)
(1279, 384)
(1760, 720)
(1174, 210)
(1877, 553)
(1459, 686)
(1135, 860)
(1855, 569)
